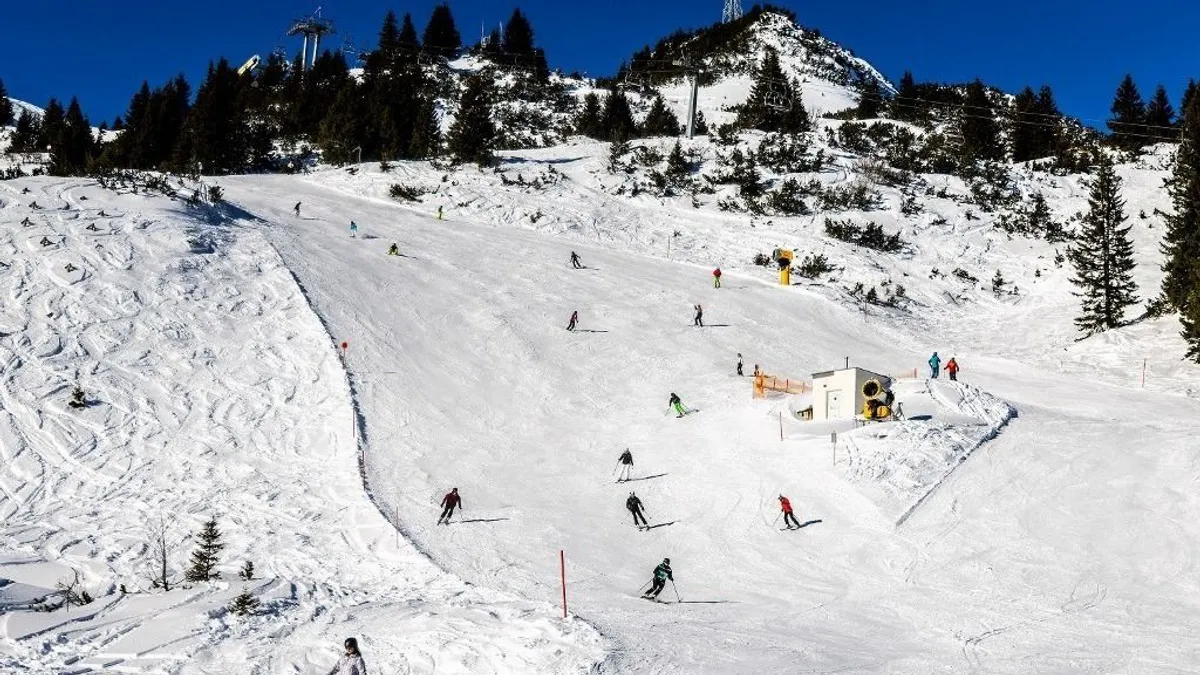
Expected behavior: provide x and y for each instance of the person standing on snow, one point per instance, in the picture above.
(575, 260)
(698, 320)
(574, 320)
(676, 403)
(739, 365)
(935, 364)
(789, 518)
(717, 278)
(449, 503)
(353, 229)
(635, 507)
(661, 574)
(626, 463)
(952, 368)
(297, 209)
(393, 250)
(351, 662)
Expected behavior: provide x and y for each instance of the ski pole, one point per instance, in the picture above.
(645, 585)
(777, 517)
(677, 598)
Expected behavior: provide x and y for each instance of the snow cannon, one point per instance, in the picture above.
(877, 400)
(784, 259)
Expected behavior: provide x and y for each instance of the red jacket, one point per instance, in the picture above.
(952, 367)
(717, 272)
(785, 505)
(451, 499)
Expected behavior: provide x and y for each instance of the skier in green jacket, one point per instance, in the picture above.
(661, 574)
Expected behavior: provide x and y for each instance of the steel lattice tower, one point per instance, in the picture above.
(733, 11)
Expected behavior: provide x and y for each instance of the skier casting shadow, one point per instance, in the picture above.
(449, 503)
(661, 574)
(625, 462)
(635, 507)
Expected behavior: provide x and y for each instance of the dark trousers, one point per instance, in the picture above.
(446, 513)
(571, 326)
(739, 369)
(699, 321)
(954, 376)
(575, 264)
(789, 516)
(657, 587)
(933, 371)
(637, 513)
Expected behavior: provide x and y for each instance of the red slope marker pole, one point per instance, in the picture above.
(562, 570)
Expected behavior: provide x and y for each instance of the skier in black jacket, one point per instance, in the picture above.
(635, 507)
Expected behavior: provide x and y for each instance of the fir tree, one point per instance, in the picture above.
(6, 107)
(774, 104)
(660, 121)
(589, 122)
(441, 35)
(343, 128)
(408, 45)
(980, 133)
(74, 147)
(26, 134)
(518, 36)
(1188, 93)
(53, 125)
(1128, 116)
(216, 134)
(1181, 243)
(244, 604)
(617, 119)
(427, 131)
(701, 126)
(907, 96)
(207, 554)
(1103, 256)
(384, 57)
(472, 137)
(678, 168)
(870, 99)
(247, 571)
(1025, 129)
(1159, 114)
(1049, 118)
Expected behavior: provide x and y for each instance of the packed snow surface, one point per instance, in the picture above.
(1040, 515)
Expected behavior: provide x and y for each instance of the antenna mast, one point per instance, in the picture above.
(733, 11)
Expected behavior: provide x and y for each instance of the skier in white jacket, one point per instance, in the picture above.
(351, 662)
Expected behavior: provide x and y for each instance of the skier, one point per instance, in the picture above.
(635, 507)
(296, 208)
(351, 662)
(575, 260)
(353, 229)
(574, 320)
(952, 368)
(935, 364)
(717, 278)
(393, 250)
(439, 212)
(698, 320)
(626, 463)
(449, 502)
(677, 404)
(739, 365)
(787, 513)
(661, 574)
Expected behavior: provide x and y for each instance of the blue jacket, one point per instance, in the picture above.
(934, 361)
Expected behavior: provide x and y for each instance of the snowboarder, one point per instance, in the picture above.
(626, 464)
(661, 574)
(717, 278)
(353, 229)
(296, 208)
(677, 404)
(935, 364)
(449, 502)
(635, 507)
(739, 365)
(698, 320)
(574, 320)
(351, 662)
(952, 368)
(393, 250)
(575, 260)
(789, 518)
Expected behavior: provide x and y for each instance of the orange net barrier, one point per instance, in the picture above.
(764, 383)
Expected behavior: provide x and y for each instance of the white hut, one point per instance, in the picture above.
(838, 394)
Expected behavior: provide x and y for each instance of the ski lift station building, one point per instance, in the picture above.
(838, 394)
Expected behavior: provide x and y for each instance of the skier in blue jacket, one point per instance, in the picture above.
(935, 364)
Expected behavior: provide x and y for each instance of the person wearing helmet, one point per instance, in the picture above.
(661, 574)
(789, 518)
(677, 403)
(351, 662)
(449, 503)
(635, 507)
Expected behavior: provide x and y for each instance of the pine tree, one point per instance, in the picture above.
(678, 168)
(384, 57)
(980, 133)
(1181, 243)
(1025, 129)
(247, 571)
(74, 147)
(1049, 118)
(408, 37)
(1128, 116)
(870, 99)
(1103, 256)
(472, 137)
(518, 36)
(589, 122)
(207, 554)
(1159, 114)
(244, 604)
(217, 134)
(6, 107)
(701, 127)
(1188, 93)
(441, 35)
(617, 119)
(907, 96)
(343, 128)
(773, 104)
(427, 131)
(26, 134)
(660, 121)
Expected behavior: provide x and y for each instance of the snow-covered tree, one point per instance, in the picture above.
(1103, 256)
(206, 555)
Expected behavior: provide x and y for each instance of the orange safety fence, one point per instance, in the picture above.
(764, 383)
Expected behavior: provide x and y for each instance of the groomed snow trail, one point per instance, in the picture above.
(213, 391)
(466, 378)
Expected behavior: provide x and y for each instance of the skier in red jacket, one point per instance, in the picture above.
(717, 278)
(787, 513)
(449, 503)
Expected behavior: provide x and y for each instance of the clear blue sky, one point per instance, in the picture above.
(101, 51)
